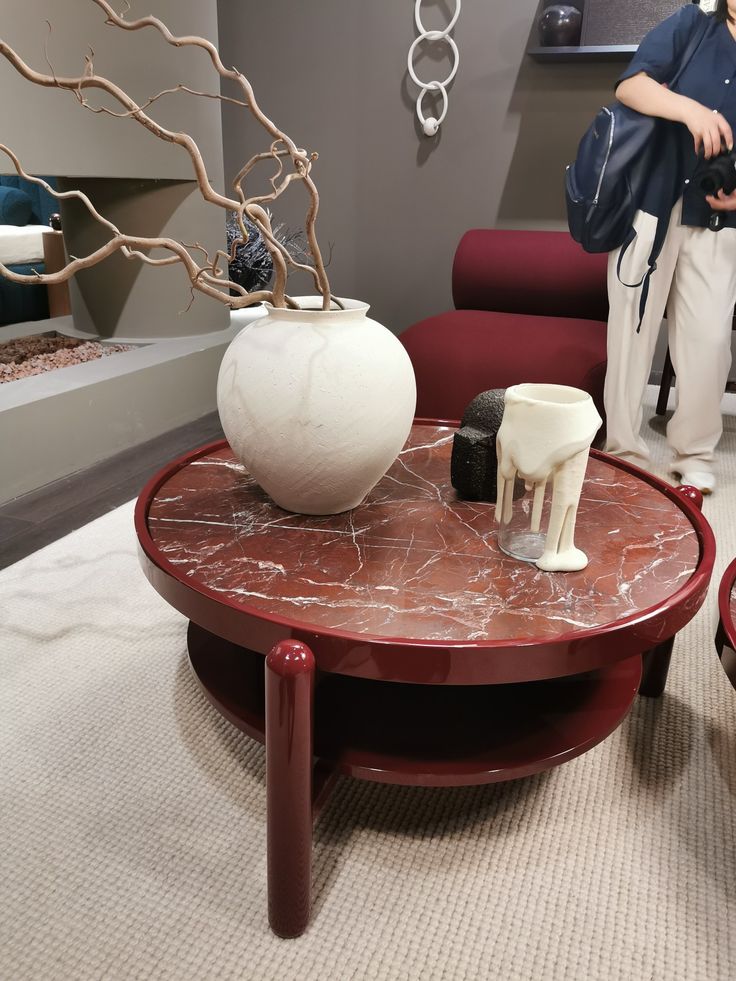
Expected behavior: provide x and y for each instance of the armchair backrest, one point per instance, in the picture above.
(44, 204)
(532, 272)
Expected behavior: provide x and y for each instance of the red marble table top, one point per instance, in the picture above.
(415, 562)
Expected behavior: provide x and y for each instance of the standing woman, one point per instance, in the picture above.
(695, 278)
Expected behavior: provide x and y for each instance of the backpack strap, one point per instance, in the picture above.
(659, 236)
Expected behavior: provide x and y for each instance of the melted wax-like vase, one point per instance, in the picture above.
(544, 439)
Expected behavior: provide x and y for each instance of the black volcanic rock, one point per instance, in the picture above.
(474, 462)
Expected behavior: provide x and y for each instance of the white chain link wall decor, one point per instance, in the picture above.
(431, 125)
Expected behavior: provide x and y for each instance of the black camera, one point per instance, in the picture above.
(717, 174)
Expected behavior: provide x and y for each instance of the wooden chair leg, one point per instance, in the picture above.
(668, 376)
(54, 258)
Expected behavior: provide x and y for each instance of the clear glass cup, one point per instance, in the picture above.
(516, 537)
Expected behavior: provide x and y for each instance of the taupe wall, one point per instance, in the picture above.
(333, 74)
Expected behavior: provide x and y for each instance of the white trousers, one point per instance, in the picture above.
(695, 281)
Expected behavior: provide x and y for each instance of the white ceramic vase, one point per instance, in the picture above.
(544, 440)
(317, 404)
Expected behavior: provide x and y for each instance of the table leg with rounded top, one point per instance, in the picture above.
(436, 726)
(290, 670)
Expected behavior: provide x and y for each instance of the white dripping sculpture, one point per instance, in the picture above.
(545, 434)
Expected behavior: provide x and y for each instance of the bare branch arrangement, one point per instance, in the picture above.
(207, 274)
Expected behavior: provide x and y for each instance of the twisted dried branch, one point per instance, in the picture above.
(208, 278)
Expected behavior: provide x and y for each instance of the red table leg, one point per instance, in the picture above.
(290, 669)
(656, 663)
(726, 653)
(655, 668)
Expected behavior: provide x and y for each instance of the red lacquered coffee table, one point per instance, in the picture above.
(726, 633)
(401, 645)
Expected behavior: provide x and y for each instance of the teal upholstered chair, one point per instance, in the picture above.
(24, 203)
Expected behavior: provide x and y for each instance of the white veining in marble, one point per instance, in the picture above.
(415, 562)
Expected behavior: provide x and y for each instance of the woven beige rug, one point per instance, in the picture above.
(132, 818)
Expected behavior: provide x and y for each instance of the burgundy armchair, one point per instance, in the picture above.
(530, 307)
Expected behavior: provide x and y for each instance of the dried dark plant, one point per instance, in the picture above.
(251, 265)
(207, 274)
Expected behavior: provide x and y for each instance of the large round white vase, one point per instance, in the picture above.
(316, 404)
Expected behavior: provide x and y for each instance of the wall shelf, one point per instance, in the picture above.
(608, 52)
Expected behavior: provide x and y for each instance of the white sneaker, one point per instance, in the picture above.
(702, 479)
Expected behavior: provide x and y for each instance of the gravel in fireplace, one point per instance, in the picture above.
(26, 356)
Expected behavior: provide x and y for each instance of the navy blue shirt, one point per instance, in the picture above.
(709, 78)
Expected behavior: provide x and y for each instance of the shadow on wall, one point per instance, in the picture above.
(144, 207)
(554, 104)
(431, 106)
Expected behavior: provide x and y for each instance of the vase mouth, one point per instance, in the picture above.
(541, 394)
(312, 305)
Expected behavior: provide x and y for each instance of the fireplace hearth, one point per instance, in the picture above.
(35, 354)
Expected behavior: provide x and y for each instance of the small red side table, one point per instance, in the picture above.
(400, 644)
(726, 633)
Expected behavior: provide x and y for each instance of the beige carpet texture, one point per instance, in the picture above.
(133, 817)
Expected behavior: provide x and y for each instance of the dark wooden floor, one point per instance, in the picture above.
(39, 518)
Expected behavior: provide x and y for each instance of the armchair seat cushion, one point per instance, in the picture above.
(460, 353)
(21, 245)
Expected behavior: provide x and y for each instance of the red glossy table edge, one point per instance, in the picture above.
(420, 661)
(295, 787)
(726, 633)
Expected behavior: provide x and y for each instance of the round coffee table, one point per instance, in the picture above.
(402, 646)
(726, 633)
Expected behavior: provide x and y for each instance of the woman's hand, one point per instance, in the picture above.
(709, 129)
(722, 202)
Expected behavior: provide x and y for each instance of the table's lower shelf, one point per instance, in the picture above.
(429, 735)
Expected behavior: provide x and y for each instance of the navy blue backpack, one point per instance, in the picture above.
(616, 158)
